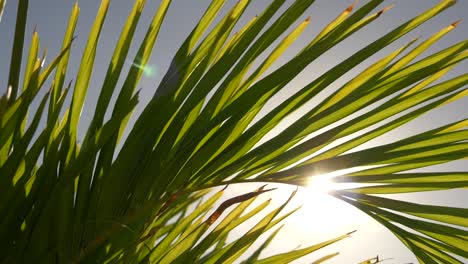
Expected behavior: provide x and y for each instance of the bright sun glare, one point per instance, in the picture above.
(321, 184)
(321, 215)
(326, 211)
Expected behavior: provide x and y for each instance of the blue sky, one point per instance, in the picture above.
(50, 18)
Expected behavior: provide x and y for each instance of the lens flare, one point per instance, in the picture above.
(148, 69)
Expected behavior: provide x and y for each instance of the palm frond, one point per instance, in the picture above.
(145, 197)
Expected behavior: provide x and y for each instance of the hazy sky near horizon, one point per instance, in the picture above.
(50, 18)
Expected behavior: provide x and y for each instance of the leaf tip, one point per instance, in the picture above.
(455, 24)
(44, 56)
(416, 39)
(385, 9)
(351, 7)
(264, 191)
(295, 191)
(137, 93)
(70, 83)
(307, 19)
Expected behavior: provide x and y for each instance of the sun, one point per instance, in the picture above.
(323, 210)
(321, 184)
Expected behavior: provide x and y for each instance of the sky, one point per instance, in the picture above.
(317, 221)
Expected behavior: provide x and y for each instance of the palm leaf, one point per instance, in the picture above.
(145, 197)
